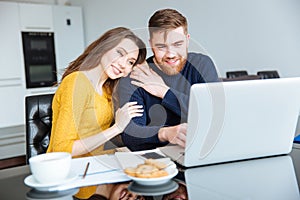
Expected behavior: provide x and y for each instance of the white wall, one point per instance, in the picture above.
(249, 34)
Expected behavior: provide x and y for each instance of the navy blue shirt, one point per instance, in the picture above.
(142, 132)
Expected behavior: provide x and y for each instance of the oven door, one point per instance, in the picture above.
(39, 57)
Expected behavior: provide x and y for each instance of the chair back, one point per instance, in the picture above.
(234, 74)
(241, 78)
(268, 74)
(38, 116)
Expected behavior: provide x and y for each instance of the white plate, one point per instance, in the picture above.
(31, 182)
(171, 169)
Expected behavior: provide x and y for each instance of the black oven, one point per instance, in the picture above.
(39, 57)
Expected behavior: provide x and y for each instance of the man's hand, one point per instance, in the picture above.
(173, 134)
(146, 78)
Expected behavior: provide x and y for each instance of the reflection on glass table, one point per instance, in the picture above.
(174, 189)
(57, 195)
(268, 178)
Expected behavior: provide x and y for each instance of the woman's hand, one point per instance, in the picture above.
(143, 76)
(126, 113)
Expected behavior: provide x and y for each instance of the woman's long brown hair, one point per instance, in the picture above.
(93, 54)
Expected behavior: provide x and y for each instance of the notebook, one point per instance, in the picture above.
(267, 178)
(230, 121)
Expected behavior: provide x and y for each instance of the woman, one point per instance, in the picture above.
(82, 105)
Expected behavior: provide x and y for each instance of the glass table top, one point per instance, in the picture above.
(264, 178)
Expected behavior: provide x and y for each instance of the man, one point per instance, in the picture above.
(162, 84)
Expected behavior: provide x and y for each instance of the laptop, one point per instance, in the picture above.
(267, 178)
(230, 121)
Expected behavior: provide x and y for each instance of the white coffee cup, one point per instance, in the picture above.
(50, 168)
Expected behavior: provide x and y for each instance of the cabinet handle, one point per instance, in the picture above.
(11, 143)
(10, 79)
(10, 85)
(10, 82)
(41, 28)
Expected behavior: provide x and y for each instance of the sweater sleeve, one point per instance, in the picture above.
(206, 68)
(68, 104)
(137, 135)
(177, 102)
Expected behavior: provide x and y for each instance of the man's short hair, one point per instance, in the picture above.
(166, 19)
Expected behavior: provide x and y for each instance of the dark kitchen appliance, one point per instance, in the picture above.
(39, 57)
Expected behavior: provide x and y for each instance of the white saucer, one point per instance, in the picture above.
(31, 182)
(171, 169)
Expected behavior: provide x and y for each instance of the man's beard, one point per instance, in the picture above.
(171, 70)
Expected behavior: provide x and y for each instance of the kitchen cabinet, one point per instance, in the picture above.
(68, 35)
(12, 89)
(10, 40)
(66, 23)
(35, 17)
(12, 142)
(12, 105)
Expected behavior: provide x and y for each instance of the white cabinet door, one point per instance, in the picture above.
(10, 51)
(36, 17)
(68, 35)
(12, 105)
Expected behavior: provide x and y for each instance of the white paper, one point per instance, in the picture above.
(102, 169)
(103, 163)
(94, 179)
(129, 159)
(132, 159)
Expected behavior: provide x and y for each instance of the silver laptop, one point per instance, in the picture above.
(268, 178)
(238, 120)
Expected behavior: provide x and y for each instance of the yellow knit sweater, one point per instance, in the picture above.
(78, 112)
